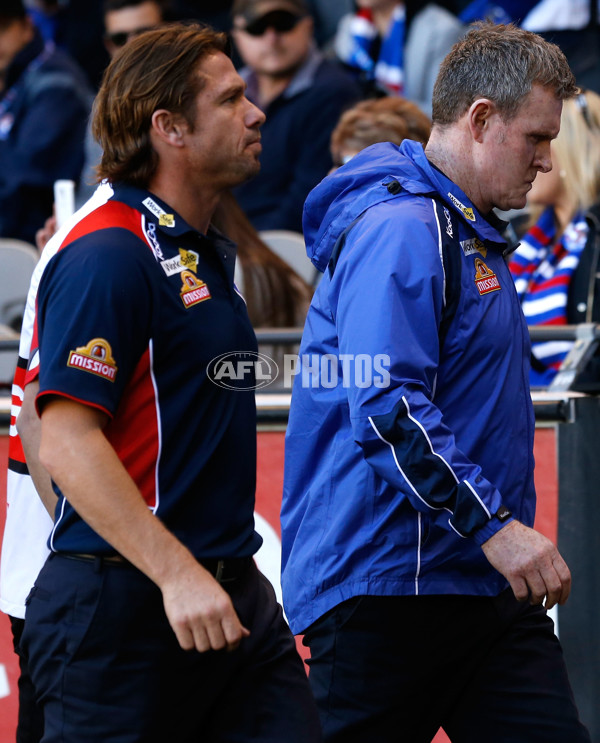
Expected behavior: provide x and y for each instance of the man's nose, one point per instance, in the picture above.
(254, 116)
(270, 34)
(544, 157)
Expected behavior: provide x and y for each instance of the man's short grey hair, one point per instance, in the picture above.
(502, 63)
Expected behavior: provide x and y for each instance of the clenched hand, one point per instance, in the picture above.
(531, 563)
(201, 613)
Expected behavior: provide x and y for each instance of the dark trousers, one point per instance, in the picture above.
(399, 668)
(107, 666)
(30, 725)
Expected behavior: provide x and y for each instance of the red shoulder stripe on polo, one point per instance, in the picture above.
(110, 214)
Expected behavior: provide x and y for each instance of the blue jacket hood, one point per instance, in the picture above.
(363, 182)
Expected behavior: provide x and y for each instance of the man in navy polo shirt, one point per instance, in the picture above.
(150, 621)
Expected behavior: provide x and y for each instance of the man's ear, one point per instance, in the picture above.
(168, 127)
(478, 117)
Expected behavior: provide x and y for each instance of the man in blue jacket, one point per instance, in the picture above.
(409, 561)
(44, 105)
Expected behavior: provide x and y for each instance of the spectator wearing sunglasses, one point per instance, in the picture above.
(302, 95)
(124, 19)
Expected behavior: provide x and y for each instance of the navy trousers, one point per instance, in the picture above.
(398, 668)
(107, 667)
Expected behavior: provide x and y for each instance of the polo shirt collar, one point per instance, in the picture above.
(167, 220)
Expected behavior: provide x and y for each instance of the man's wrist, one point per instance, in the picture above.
(499, 520)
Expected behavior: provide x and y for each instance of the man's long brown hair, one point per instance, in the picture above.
(158, 69)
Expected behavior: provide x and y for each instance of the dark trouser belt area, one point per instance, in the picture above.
(225, 570)
(98, 560)
(229, 569)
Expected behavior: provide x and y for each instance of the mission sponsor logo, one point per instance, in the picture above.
(95, 357)
(485, 279)
(466, 210)
(472, 246)
(193, 290)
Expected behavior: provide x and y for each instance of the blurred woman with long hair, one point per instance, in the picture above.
(556, 265)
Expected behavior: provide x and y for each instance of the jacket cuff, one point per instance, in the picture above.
(488, 530)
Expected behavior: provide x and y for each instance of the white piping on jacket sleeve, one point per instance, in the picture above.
(401, 471)
(472, 489)
(425, 434)
(440, 251)
(441, 254)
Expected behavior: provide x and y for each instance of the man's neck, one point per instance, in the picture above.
(194, 205)
(438, 157)
(449, 153)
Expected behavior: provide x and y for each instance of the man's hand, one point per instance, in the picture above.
(531, 564)
(201, 613)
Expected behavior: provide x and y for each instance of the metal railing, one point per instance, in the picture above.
(537, 333)
(284, 336)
